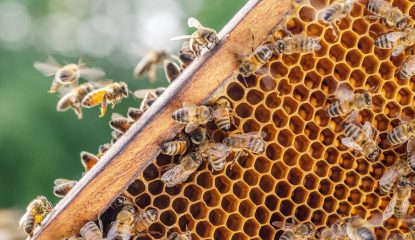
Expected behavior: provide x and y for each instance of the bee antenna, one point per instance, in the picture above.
(132, 94)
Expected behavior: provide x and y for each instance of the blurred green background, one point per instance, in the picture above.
(37, 143)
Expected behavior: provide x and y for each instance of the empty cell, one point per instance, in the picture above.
(295, 25)
(302, 213)
(348, 39)
(243, 110)
(331, 155)
(408, 111)
(386, 70)
(314, 200)
(314, 30)
(340, 192)
(344, 208)
(250, 177)
(278, 70)
(357, 78)
(270, 132)
(235, 91)
(299, 195)
(290, 59)
(330, 36)
(301, 143)
(317, 99)
(317, 4)
(251, 126)
(180, 204)
(324, 66)
(217, 217)
(173, 191)
(256, 195)
(354, 58)
(391, 223)
(295, 176)
(143, 200)
(326, 187)
(249, 81)
(151, 173)
(318, 217)
(312, 80)
(223, 184)
(330, 204)
(192, 192)
(246, 162)
(279, 118)
(251, 227)
(371, 201)
(306, 111)
(246, 208)
(307, 62)
(267, 83)
(198, 210)
(272, 100)
(239, 236)
(290, 157)
(382, 54)
(235, 172)
(360, 26)
(310, 181)
(307, 14)
(262, 165)
(240, 189)
(321, 168)
(229, 203)
(285, 138)
(337, 53)
(266, 232)
(341, 71)
(381, 122)
(186, 222)
(205, 180)
(278, 170)
(204, 229)
(389, 158)
(362, 166)
(262, 114)
(365, 44)
(329, 85)
(273, 151)
(136, 188)
(311, 130)
(300, 93)
(378, 101)
(222, 233)
(286, 207)
(332, 219)
(168, 218)
(282, 189)
(156, 230)
(155, 187)
(351, 179)
(336, 174)
(295, 75)
(296, 125)
(162, 202)
(367, 184)
(211, 198)
(289, 105)
(355, 197)
(370, 64)
(271, 202)
(316, 150)
(266, 183)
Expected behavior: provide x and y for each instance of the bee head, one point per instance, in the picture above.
(279, 46)
(153, 214)
(246, 68)
(227, 142)
(404, 182)
(124, 89)
(211, 37)
(367, 98)
(374, 153)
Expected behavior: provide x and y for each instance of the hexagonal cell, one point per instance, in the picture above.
(359, 211)
(371, 201)
(143, 200)
(222, 233)
(250, 177)
(136, 188)
(362, 166)
(329, 85)
(365, 44)
(311, 130)
(360, 26)
(162, 201)
(251, 227)
(235, 91)
(318, 217)
(192, 192)
(266, 232)
(262, 165)
(326, 187)
(310, 181)
(246, 208)
(352, 179)
(331, 155)
(251, 126)
(336, 174)
(290, 59)
(354, 58)
(348, 39)
(386, 70)
(211, 198)
(302, 213)
(289, 105)
(344, 208)
(266, 183)
(295, 75)
(205, 180)
(306, 162)
(312, 80)
(370, 64)
(204, 229)
(282, 189)
(355, 197)
(330, 204)
(234, 172)
(168, 218)
(151, 173)
(306, 111)
(243, 110)
(217, 217)
(290, 157)
(404, 96)
(262, 114)
(186, 222)
(317, 99)
(279, 118)
(321, 118)
(332, 219)
(271, 202)
(278, 70)
(285, 138)
(239, 236)
(392, 109)
(357, 78)
(156, 230)
(278, 170)
(254, 97)
(314, 200)
(155, 187)
(327, 137)
(300, 93)
(199, 210)
(340, 192)
(272, 100)
(180, 204)
(367, 184)
(324, 66)
(257, 196)
(248, 82)
(273, 151)
(295, 176)
(286, 207)
(223, 184)
(299, 195)
(321, 168)
(229, 203)
(267, 83)
(337, 53)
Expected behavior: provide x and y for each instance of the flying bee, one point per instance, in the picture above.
(349, 102)
(181, 172)
(335, 12)
(120, 123)
(63, 186)
(134, 113)
(399, 203)
(145, 219)
(252, 142)
(250, 64)
(222, 114)
(112, 93)
(401, 133)
(149, 96)
(73, 99)
(186, 55)
(215, 154)
(361, 139)
(391, 16)
(407, 69)
(103, 149)
(68, 74)
(90, 231)
(180, 236)
(389, 178)
(397, 41)
(203, 37)
(192, 115)
(123, 227)
(148, 65)
(171, 69)
(360, 229)
(88, 160)
(198, 136)
(298, 43)
(36, 212)
(294, 231)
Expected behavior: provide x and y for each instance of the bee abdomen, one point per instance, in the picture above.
(397, 136)
(335, 110)
(174, 147)
(258, 147)
(223, 124)
(352, 131)
(29, 224)
(383, 42)
(365, 234)
(217, 164)
(181, 115)
(386, 188)
(288, 235)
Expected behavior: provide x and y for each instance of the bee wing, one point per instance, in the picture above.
(23, 219)
(142, 66)
(60, 181)
(182, 37)
(116, 115)
(398, 50)
(388, 176)
(344, 93)
(278, 224)
(410, 147)
(189, 105)
(193, 22)
(389, 209)
(367, 128)
(190, 127)
(376, 220)
(250, 134)
(92, 74)
(175, 175)
(46, 68)
(394, 36)
(142, 93)
(349, 142)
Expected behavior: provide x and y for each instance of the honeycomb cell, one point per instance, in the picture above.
(366, 184)
(151, 173)
(329, 204)
(155, 187)
(229, 203)
(243, 110)
(355, 197)
(348, 39)
(300, 93)
(251, 227)
(217, 217)
(306, 111)
(295, 176)
(354, 58)
(279, 118)
(272, 100)
(317, 99)
(239, 236)
(386, 70)
(326, 187)
(246, 208)
(329, 85)
(360, 26)
(365, 45)
(318, 217)
(266, 183)
(266, 232)
(234, 222)
(192, 192)
(254, 97)
(162, 202)
(286, 207)
(257, 196)
(344, 208)
(289, 105)
(337, 53)
(324, 66)
(222, 233)
(341, 71)
(340, 191)
(301, 143)
(312, 131)
(310, 181)
(299, 195)
(235, 91)
(282, 189)
(205, 180)
(180, 205)
(211, 198)
(370, 64)
(267, 83)
(331, 155)
(273, 151)
(204, 229)
(295, 75)
(302, 212)
(136, 188)
(351, 179)
(168, 218)
(314, 200)
(278, 70)
(336, 174)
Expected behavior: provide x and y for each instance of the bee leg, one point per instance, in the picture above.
(54, 87)
(77, 110)
(103, 106)
(238, 155)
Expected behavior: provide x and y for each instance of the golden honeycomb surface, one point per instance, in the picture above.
(305, 173)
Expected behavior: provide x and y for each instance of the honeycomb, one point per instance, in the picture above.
(305, 173)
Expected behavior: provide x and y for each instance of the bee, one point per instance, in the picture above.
(399, 203)
(88, 160)
(336, 231)
(171, 69)
(36, 212)
(103, 149)
(198, 136)
(90, 231)
(397, 41)
(335, 12)
(252, 142)
(177, 147)
(250, 64)
(123, 227)
(148, 65)
(401, 133)
(180, 236)
(63, 186)
(112, 93)
(68, 74)
(215, 154)
(391, 16)
(407, 70)
(120, 123)
(73, 98)
(222, 114)
(186, 55)
(149, 96)
(294, 231)
(145, 219)
(115, 135)
(203, 37)
(73, 238)
(192, 115)
(298, 43)
(361, 139)
(180, 172)
(134, 113)
(360, 229)
(349, 102)
(389, 178)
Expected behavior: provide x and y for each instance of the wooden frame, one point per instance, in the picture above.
(127, 159)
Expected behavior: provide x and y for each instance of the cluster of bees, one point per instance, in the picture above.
(195, 146)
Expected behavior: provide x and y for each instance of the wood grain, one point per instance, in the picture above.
(127, 159)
